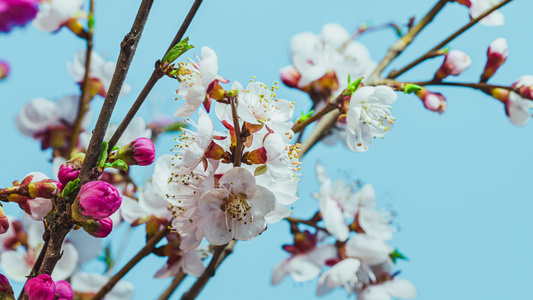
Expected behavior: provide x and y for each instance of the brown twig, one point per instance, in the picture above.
(220, 254)
(237, 153)
(477, 86)
(127, 51)
(429, 54)
(147, 249)
(306, 222)
(173, 285)
(156, 75)
(401, 44)
(85, 95)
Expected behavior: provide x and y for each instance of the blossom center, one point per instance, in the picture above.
(237, 208)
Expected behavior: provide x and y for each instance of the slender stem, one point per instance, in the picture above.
(402, 43)
(184, 25)
(237, 154)
(306, 222)
(220, 254)
(127, 51)
(478, 86)
(173, 285)
(430, 53)
(156, 75)
(147, 249)
(299, 126)
(85, 97)
(321, 130)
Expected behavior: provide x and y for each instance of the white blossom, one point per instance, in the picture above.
(369, 116)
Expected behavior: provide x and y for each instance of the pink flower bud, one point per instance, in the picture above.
(96, 200)
(4, 69)
(69, 171)
(6, 291)
(432, 101)
(290, 76)
(454, 64)
(41, 287)
(100, 228)
(64, 291)
(139, 152)
(17, 13)
(496, 56)
(524, 86)
(4, 222)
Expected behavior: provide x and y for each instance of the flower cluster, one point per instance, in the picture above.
(227, 186)
(363, 262)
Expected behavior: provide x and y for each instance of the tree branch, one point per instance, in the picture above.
(401, 44)
(147, 249)
(394, 74)
(156, 75)
(221, 253)
(173, 285)
(128, 47)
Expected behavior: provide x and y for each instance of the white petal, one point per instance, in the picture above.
(301, 268)
(67, 263)
(401, 288)
(14, 265)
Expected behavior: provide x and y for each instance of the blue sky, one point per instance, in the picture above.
(459, 182)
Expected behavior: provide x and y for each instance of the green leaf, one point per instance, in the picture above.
(305, 116)
(176, 51)
(115, 148)
(411, 88)
(70, 187)
(397, 255)
(103, 155)
(119, 164)
(352, 86)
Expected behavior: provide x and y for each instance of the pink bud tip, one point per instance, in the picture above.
(69, 171)
(41, 287)
(64, 291)
(143, 151)
(17, 13)
(96, 200)
(4, 69)
(433, 101)
(496, 56)
(100, 228)
(290, 76)
(6, 291)
(454, 64)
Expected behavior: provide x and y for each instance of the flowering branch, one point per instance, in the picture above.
(478, 86)
(431, 52)
(147, 249)
(85, 97)
(401, 44)
(220, 254)
(173, 285)
(127, 51)
(154, 78)
(299, 126)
